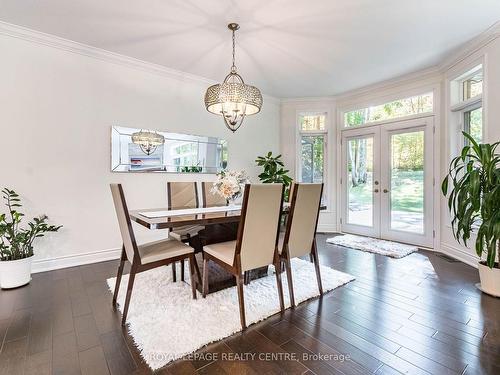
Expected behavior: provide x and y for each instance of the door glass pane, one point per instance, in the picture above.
(407, 182)
(360, 181)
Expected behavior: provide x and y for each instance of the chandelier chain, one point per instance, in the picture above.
(233, 67)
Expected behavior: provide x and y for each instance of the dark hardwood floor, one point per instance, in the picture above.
(420, 314)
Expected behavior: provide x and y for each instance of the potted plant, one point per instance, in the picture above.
(274, 171)
(16, 243)
(474, 202)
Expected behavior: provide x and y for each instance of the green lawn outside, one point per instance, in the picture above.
(407, 191)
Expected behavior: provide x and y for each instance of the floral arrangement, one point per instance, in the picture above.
(230, 184)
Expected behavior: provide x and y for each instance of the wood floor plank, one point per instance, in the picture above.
(39, 363)
(117, 353)
(92, 361)
(87, 335)
(65, 355)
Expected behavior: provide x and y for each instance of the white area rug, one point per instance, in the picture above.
(373, 245)
(166, 323)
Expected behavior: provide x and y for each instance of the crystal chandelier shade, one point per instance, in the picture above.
(233, 99)
(148, 141)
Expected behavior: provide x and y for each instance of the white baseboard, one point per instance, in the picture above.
(326, 228)
(461, 255)
(42, 265)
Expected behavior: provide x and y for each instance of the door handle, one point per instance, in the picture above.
(386, 191)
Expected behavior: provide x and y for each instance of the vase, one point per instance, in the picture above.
(15, 273)
(490, 279)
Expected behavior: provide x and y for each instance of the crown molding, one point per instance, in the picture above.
(308, 99)
(50, 40)
(469, 48)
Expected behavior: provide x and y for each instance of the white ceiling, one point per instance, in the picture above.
(288, 48)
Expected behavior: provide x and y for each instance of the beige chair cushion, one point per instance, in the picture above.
(160, 250)
(223, 251)
(182, 233)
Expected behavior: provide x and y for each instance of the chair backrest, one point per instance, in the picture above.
(259, 226)
(182, 195)
(303, 218)
(210, 199)
(124, 222)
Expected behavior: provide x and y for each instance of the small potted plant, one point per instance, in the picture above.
(16, 243)
(474, 202)
(274, 171)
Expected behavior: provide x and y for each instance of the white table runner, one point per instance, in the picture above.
(189, 211)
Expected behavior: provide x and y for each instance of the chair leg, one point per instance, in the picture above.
(182, 270)
(241, 300)
(288, 268)
(174, 273)
(192, 260)
(205, 277)
(280, 287)
(129, 294)
(119, 275)
(314, 254)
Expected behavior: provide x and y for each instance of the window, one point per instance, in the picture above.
(466, 93)
(472, 86)
(312, 148)
(473, 124)
(387, 111)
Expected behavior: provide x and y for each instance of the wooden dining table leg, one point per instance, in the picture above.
(182, 270)
(174, 272)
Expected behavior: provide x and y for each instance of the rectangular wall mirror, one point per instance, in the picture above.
(142, 150)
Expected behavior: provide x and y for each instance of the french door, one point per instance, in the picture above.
(387, 179)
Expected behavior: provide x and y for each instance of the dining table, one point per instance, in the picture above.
(220, 224)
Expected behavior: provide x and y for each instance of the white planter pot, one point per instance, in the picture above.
(15, 273)
(490, 279)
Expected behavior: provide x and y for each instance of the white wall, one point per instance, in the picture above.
(57, 108)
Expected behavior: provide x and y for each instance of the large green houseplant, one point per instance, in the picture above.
(274, 170)
(473, 184)
(16, 242)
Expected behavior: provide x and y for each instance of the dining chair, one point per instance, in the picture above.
(256, 243)
(147, 256)
(299, 238)
(182, 195)
(210, 199)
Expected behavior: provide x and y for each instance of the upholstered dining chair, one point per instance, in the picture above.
(182, 195)
(210, 199)
(256, 243)
(299, 238)
(147, 256)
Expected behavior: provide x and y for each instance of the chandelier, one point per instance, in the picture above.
(233, 99)
(148, 141)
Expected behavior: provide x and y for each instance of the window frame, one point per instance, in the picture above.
(459, 105)
(298, 154)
